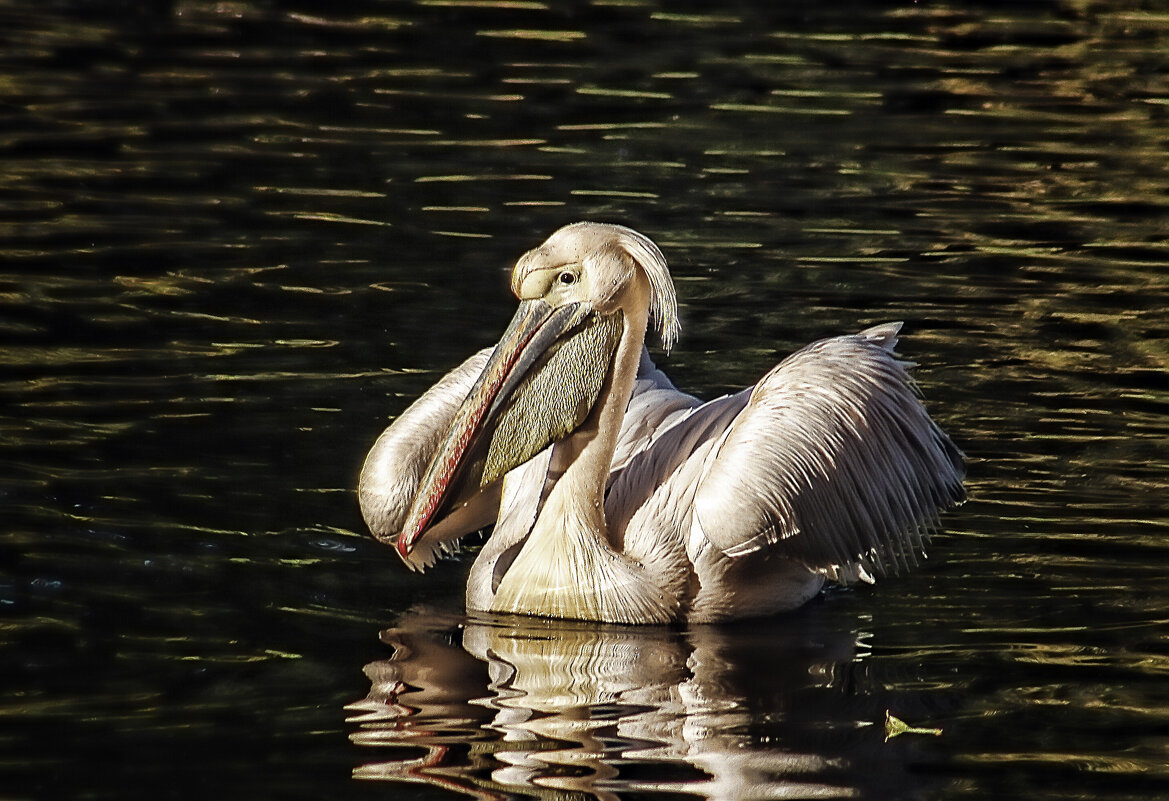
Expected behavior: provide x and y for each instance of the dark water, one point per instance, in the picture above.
(237, 237)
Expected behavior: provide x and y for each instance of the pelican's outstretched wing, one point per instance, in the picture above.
(833, 462)
(395, 465)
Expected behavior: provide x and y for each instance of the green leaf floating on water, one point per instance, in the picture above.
(896, 726)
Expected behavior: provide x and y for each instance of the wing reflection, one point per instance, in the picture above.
(492, 707)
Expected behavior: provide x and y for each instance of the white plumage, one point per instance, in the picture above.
(655, 506)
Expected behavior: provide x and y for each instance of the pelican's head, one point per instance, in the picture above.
(577, 291)
(595, 264)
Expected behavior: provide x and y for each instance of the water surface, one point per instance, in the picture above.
(236, 239)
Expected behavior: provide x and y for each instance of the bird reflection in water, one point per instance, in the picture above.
(492, 707)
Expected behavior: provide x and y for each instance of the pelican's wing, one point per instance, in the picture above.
(833, 462)
(664, 440)
(394, 467)
(655, 406)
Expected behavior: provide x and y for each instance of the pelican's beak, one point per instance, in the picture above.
(529, 394)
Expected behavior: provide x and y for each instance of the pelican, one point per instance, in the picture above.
(615, 497)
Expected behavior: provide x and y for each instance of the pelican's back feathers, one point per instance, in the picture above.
(834, 462)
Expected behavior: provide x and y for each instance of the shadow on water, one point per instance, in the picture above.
(496, 707)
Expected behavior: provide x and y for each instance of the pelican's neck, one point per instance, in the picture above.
(588, 456)
(571, 565)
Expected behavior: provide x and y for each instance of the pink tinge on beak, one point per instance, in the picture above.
(532, 318)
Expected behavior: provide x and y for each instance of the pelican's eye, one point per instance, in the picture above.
(567, 278)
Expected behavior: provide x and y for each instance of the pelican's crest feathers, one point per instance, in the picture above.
(578, 242)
